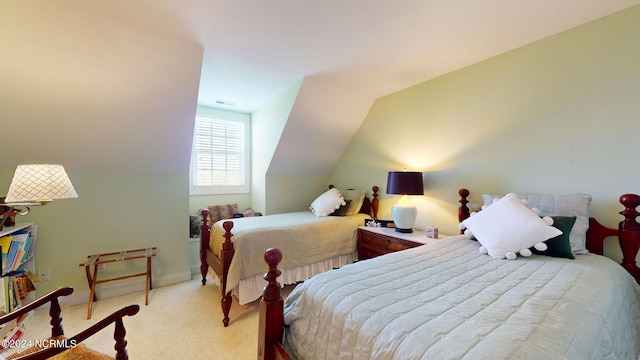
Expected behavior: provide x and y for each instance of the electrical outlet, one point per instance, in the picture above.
(102, 267)
(44, 274)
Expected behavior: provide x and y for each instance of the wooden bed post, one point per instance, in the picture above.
(629, 236)
(205, 234)
(463, 210)
(271, 323)
(226, 255)
(370, 206)
(375, 202)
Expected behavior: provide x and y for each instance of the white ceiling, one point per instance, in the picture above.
(256, 48)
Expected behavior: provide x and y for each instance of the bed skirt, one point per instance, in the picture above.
(251, 289)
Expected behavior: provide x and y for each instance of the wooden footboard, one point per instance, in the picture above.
(220, 264)
(271, 323)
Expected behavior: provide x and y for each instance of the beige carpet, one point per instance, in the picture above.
(182, 321)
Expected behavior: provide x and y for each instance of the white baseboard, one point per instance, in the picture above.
(195, 269)
(104, 292)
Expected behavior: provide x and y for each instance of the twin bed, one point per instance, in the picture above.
(446, 300)
(233, 249)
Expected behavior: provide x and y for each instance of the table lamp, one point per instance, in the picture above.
(404, 183)
(35, 185)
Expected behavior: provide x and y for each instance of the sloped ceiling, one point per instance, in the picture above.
(375, 47)
(93, 92)
(321, 125)
(113, 85)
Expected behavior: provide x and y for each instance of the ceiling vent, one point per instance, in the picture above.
(222, 102)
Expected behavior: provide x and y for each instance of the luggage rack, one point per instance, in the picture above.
(116, 256)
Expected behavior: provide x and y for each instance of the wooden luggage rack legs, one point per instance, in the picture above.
(97, 259)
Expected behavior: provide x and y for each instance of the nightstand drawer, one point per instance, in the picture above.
(372, 244)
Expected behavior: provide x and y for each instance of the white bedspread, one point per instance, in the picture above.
(445, 300)
(302, 237)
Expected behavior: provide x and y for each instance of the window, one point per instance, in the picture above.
(219, 159)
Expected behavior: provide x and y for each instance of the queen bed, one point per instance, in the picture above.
(447, 300)
(233, 249)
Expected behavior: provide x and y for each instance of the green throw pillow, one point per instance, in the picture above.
(560, 246)
(342, 210)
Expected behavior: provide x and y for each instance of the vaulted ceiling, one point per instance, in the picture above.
(113, 85)
(375, 47)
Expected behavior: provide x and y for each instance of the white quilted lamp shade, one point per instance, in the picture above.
(40, 182)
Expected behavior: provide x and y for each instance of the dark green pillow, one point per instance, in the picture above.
(559, 246)
(342, 210)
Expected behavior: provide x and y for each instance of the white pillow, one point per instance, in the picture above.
(327, 203)
(560, 205)
(356, 197)
(508, 226)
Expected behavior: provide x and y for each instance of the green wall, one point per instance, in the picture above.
(113, 212)
(556, 116)
(294, 192)
(267, 125)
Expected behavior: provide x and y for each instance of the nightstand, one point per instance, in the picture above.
(373, 241)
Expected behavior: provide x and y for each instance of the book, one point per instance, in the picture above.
(13, 335)
(16, 250)
(11, 256)
(33, 235)
(27, 283)
(13, 250)
(14, 301)
(19, 289)
(29, 251)
(19, 259)
(6, 328)
(4, 249)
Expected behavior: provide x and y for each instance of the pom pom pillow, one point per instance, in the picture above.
(560, 205)
(508, 227)
(327, 203)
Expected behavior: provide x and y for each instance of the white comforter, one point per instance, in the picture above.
(445, 300)
(302, 237)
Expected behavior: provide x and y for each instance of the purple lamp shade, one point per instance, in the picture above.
(405, 183)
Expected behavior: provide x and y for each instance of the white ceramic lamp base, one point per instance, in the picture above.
(404, 215)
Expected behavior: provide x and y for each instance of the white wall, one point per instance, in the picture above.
(557, 116)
